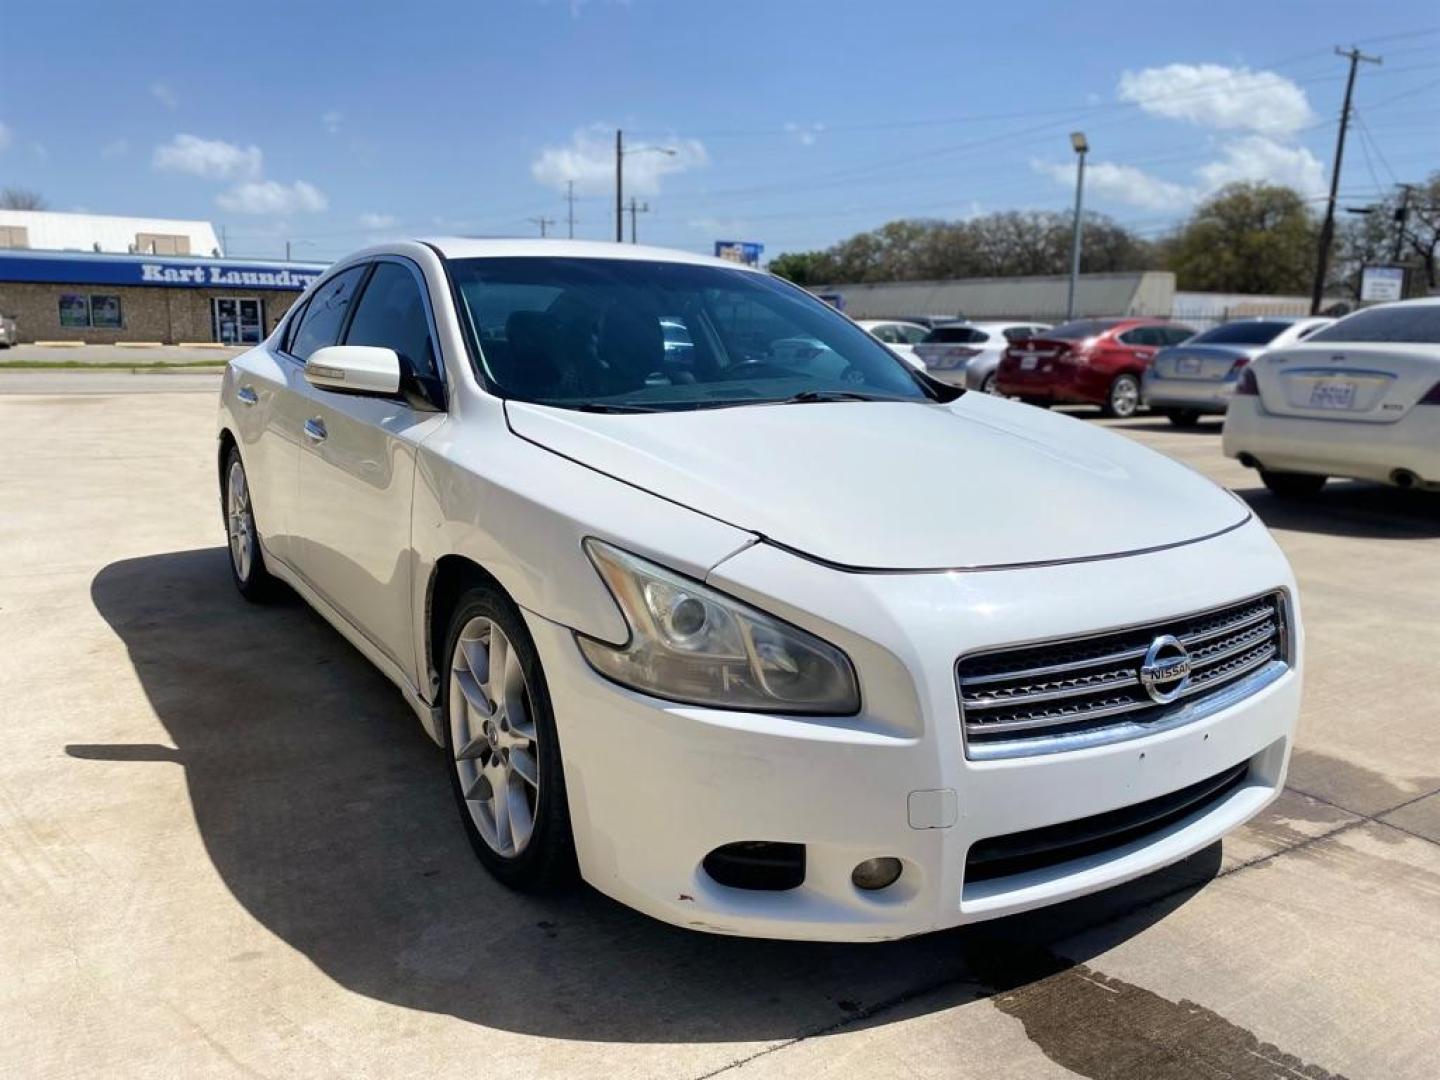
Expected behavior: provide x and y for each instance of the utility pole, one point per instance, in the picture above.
(636, 208)
(570, 200)
(619, 186)
(1402, 215)
(543, 222)
(287, 250)
(1327, 227)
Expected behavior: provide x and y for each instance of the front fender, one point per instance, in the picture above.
(520, 512)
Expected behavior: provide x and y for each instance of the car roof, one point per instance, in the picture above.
(462, 247)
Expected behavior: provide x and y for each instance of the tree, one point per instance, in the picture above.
(1371, 238)
(14, 198)
(997, 245)
(801, 267)
(1246, 238)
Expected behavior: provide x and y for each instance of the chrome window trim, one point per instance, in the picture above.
(1183, 713)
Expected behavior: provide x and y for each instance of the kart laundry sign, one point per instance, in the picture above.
(224, 277)
(83, 268)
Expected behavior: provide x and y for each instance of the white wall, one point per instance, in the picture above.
(52, 231)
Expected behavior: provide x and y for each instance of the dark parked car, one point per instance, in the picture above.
(1087, 362)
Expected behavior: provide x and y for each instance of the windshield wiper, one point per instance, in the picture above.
(605, 407)
(807, 396)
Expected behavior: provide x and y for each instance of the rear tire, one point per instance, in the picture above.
(1123, 400)
(247, 561)
(501, 750)
(1185, 418)
(1039, 403)
(1290, 485)
(987, 385)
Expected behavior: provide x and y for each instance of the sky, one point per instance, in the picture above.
(791, 123)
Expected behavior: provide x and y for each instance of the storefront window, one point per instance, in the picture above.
(74, 311)
(79, 312)
(105, 312)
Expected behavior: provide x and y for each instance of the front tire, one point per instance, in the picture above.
(1291, 485)
(501, 750)
(1123, 400)
(247, 561)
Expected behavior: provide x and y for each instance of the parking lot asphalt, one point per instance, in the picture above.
(227, 849)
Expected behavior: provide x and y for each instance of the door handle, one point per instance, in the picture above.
(315, 430)
(247, 395)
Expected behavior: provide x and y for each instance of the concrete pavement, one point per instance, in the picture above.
(226, 848)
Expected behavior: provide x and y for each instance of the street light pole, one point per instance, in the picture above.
(619, 187)
(1081, 147)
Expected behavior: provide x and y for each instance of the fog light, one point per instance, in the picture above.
(875, 874)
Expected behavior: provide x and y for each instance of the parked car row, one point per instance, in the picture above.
(1305, 398)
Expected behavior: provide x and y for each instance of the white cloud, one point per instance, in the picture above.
(1256, 157)
(377, 221)
(1121, 183)
(332, 121)
(41, 151)
(210, 158)
(1215, 96)
(4, 136)
(165, 94)
(115, 148)
(589, 160)
(804, 134)
(273, 197)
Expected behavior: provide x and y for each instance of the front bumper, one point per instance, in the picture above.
(655, 786)
(1338, 447)
(1205, 395)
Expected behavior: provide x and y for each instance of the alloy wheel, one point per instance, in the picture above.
(239, 521)
(492, 737)
(1124, 396)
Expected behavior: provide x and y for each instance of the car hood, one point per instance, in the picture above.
(976, 483)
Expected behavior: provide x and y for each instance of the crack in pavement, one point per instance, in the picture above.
(1225, 1049)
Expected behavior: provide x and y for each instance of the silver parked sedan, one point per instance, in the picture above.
(1197, 377)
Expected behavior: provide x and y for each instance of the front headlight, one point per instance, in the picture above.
(690, 643)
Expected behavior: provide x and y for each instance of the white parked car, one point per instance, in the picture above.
(902, 337)
(695, 626)
(1198, 377)
(1358, 399)
(967, 353)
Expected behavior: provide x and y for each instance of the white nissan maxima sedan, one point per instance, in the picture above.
(1358, 399)
(691, 624)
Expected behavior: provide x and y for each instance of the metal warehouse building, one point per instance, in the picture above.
(134, 280)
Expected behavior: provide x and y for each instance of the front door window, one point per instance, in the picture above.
(239, 321)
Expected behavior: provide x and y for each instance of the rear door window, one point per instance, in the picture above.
(956, 335)
(324, 316)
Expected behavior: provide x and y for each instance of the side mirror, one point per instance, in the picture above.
(354, 369)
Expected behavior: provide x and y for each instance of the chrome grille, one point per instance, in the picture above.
(1081, 691)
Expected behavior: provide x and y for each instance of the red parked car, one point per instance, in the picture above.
(1087, 362)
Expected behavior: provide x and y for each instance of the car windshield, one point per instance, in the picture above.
(1405, 324)
(1080, 329)
(630, 335)
(1241, 333)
